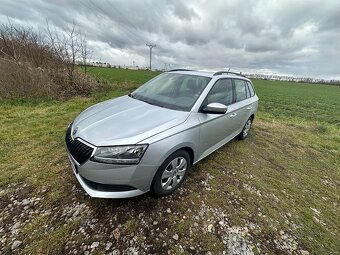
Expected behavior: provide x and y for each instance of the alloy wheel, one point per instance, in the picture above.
(247, 127)
(174, 173)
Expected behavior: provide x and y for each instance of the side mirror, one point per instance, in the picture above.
(215, 108)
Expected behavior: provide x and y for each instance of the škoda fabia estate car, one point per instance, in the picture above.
(148, 140)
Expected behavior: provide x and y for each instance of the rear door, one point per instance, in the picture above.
(243, 103)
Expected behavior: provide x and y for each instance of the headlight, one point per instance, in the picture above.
(127, 154)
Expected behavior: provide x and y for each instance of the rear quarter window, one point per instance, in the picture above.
(251, 89)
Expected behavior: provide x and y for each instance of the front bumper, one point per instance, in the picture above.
(113, 181)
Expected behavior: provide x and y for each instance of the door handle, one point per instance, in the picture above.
(249, 107)
(233, 115)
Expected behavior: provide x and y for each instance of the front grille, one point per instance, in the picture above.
(79, 151)
(107, 187)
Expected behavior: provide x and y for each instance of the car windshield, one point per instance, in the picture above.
(172, 90)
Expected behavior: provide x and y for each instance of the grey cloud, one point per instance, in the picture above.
(299, 37)
(182, 11)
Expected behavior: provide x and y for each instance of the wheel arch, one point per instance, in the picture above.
(191, 153)
(189, 148)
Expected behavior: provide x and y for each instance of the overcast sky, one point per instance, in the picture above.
(285, 37)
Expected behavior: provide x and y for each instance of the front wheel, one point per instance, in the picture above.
(171, 173)
(246, 129)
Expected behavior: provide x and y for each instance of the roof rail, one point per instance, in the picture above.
(227, 72)
(174, 70)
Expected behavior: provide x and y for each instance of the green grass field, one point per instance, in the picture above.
(135, 77)
(313, 102)
(277, 192)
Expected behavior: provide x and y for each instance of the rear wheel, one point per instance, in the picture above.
(246, 129)
(171, 173)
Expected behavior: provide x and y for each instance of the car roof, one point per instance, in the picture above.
(209, 74)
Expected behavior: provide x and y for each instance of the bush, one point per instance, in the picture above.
(36, 65)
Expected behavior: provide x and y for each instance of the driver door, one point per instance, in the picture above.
(217, 129)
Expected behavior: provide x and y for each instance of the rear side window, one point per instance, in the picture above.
(221, 92)
(251, 89)
(240, 90)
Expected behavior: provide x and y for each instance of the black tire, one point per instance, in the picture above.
(244, 133)
(157, 186)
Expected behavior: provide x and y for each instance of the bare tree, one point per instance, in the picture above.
(86, 54)
(71, 47)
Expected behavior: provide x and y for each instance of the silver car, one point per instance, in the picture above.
(148, 140)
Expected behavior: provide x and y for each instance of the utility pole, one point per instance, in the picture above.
(150, 46)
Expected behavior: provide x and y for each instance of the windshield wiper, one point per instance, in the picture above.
(147, 101)
(144, 100)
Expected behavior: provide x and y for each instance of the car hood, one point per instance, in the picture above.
(124, 120)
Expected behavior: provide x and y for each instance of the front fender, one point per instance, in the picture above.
(160, 150)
